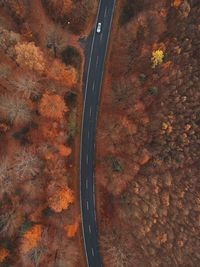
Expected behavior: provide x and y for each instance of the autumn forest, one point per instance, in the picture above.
(147, 142)
(40, 91)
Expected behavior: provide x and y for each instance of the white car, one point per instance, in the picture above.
(99, 27)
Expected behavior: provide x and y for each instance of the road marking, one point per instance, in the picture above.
(93, 86)
(92, 252)
(84, 114)
(89, 229)
(90, 111)
(97, 61)
(101, 36)
(105, 12)
(87, 205)
(87, 159)
(86, 184)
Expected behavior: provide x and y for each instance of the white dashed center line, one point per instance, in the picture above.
(97, 60)
(87, 159)
(93, 86)
(87, 205)
(105, 12)
(92, 252)
(86, 184)
(89, 229)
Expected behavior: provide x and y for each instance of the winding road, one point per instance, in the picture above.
(88, 131)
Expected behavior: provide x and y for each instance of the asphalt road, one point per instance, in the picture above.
(88, 131)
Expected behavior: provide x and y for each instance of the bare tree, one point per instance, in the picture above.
(119, 248)
(55, 39)
(26, 85)
(14, 110)
(67, 256)
(8, 39)
(114, 251)
(35, 255)
(10, 221)
(26, 164)
(5, 176)
(4, 71)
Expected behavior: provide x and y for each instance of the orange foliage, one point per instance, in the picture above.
(166, 65)
(64, 150)
(3, 254)
(31, 238)
(71, 229)
(52, 106)
(49, 132)
(144, 158)
(67, 4)
(30, 56)
(61, 198)
(139, 107)
(176, 3)
(64, 74)
(132, 128)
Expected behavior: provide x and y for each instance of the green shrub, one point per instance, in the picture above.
(152, 90)
(7, 244)
(142, 78)
(25, 226)
(116, 167)
(167, 56)
(20, 134)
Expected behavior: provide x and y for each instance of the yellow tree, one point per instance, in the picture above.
(52, 106)
(30, 56)
(31, 238)
(157, 57)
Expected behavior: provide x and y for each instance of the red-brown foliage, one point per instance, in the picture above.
(52, 106)
(67, 75)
